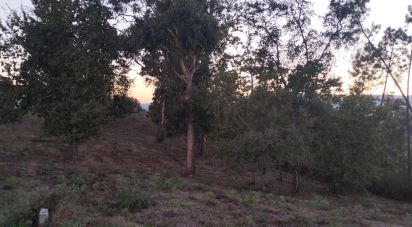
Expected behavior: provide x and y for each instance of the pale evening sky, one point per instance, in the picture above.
(384, 12)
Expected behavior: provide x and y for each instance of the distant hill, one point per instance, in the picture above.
(145, 106)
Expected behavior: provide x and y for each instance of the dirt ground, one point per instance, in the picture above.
(125, 178)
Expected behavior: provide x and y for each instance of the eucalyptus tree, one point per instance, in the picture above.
(178, 33)
(67, 70)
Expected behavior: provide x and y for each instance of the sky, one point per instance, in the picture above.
(384, 12)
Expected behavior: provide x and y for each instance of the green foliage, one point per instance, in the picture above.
(12, 222)
(174, 184)
(263, 131)
(284, 203)
(392, 186)
(253, 196)
(10, 108)
(132, 200)
(211, 195)
(175, 111)
(67, 75)
(2, 146)
(392, 128)
(347, 151)
(22, 205)
(268, 113)
(368, 68)
(9, 182)
(318, 202)
(122, 104)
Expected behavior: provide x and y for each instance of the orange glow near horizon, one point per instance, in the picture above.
(140, 89)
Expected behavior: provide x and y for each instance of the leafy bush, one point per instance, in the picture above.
(393, 187)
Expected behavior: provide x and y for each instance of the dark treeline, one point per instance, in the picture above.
(253, 77)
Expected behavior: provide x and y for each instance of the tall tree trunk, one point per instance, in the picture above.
(190, 143)
(384, 90)
(200, 143)
(386, 79)
(74, 150)
(262, 178)
(280, 171)
(408, 128)
(296, 178)
(161, 128)
(190, 132)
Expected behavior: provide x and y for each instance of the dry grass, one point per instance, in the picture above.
(126, 179)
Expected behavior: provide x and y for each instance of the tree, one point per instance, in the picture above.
(390, 56)
(179, 33)
(284, 56)
(11, 96)
(67, 73)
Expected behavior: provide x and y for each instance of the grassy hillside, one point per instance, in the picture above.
(125, 178)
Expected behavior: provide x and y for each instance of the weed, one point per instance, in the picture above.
(197, 186)
(70, 223)
(284, 203)
(211, 195)
(12, 221)
(407, 209)
(69, 192)
(338, 213)
(253, 196)
(174, 184)
(156, 182)
(337, 224)
(178, 201)
(249, 221)
(269, 197)
(22, 210)
(132, 200)
(319, 202)
(227, 223)
(2, 146)
(99, 186)
(35, 183)
(132, 174)
(233, 193)
(77, 182)
(9, 182)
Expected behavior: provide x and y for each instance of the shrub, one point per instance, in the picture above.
(393, 187)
